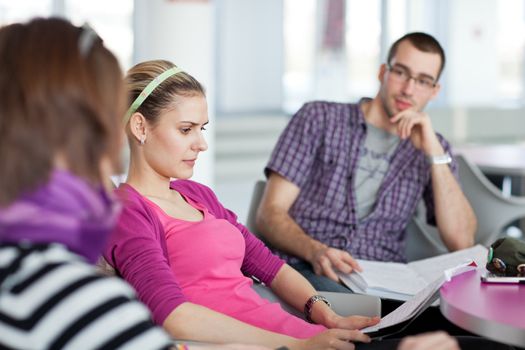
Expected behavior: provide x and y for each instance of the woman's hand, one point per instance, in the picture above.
(323, 314)
(352, 322)
(429, 341)
(335, 339)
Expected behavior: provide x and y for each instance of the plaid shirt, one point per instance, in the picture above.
(319, 151)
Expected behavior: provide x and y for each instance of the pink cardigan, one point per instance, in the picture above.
(137, 248)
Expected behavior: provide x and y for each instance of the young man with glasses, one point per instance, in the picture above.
(344, 179)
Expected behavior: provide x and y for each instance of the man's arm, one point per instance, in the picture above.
(454, 215)
(282, 232)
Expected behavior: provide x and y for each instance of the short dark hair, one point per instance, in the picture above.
(423, 42)
(58, 97)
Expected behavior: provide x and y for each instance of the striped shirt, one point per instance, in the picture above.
(319, 152)
(51, 299)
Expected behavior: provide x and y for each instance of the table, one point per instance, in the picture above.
(496, 159)
(494, 311)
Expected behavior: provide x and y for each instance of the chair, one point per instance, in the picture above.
(344, 304)
(257, 193)
(493, 211)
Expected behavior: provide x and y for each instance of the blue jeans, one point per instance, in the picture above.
(320, 283)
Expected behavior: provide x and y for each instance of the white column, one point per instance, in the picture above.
(181, 32)
(250, 56)
(472, 67)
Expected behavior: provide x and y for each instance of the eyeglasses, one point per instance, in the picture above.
(497, 266)
(402, 75)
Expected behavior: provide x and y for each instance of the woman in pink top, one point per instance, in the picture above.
(185, 254)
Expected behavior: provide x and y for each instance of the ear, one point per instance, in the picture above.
(435, 92)
(382, 72)
(137, 125)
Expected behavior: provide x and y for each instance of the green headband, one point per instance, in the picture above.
(148, 90)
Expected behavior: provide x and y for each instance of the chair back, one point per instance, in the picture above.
(493, 211)
(258, 191)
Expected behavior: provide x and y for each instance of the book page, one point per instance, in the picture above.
(431, 268)
(391, 276)
(409, 308)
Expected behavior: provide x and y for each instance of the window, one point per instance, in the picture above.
(111, 19)
(22, 10)
(332, 50)
(511, 46)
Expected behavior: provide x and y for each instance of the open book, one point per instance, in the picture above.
(402, 281)
(404, 314)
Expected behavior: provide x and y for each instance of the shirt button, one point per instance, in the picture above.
(353, 210)
(352, 227)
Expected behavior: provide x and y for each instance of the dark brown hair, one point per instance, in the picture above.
(60, 97)
(423, 42)
(164, 96)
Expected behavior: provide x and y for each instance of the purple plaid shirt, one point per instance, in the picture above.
(319, 151)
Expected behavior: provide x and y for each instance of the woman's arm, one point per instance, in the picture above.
(293, 288)
(191, 321)
(196, 322)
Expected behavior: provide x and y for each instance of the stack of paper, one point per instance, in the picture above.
(402, 281)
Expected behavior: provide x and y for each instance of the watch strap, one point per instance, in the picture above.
(440, 159)
(310, 304)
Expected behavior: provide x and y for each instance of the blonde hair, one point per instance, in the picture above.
(164, 95)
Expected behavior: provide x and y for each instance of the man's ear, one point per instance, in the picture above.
(437, 88)
(382, 72)
(137, 126)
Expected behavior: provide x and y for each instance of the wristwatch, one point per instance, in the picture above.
(310, 304)
(441, 159)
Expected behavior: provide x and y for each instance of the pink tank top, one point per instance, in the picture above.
(206, 257)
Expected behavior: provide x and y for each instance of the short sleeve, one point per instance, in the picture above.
(296, 148)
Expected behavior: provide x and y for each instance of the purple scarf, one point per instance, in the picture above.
(66, 210)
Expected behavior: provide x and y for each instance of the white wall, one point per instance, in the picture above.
(182, 32)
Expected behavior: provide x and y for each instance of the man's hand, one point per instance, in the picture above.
(418, 127)
(326, 260)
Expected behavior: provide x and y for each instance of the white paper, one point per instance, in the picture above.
(402, 281)
(420, 301)
(397, 277)
(409, 308)
(432, 268)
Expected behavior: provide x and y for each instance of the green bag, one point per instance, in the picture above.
(507, 257)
